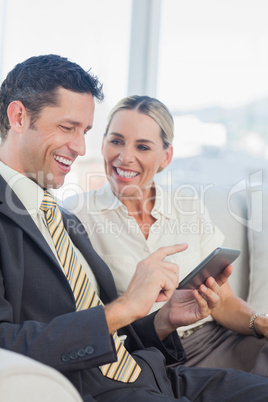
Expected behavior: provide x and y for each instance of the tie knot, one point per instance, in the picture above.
(48, 202)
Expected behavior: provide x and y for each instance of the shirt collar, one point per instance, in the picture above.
(106, 200)
(164, 203)
(28, 192)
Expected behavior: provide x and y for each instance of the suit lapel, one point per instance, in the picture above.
(98, 266)
(12, 207)
(15, 210)
(79, 237)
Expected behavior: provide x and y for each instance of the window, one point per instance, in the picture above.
(92, 33)
(213, 63)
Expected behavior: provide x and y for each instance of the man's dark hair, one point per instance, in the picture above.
(35, 82)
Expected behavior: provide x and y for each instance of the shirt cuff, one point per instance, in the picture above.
(171, 346)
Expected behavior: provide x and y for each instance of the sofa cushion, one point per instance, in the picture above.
(228, 210)
(258, 248)
(227, 207)
(26, 380)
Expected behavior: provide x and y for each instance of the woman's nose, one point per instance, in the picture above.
(126, 155)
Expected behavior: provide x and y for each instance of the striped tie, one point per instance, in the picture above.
(125, 369)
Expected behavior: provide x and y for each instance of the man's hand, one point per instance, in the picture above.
(188, 306)
(154, 280)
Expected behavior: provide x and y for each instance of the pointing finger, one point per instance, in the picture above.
(163, 252)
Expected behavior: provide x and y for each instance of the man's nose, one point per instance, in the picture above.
(78, 144)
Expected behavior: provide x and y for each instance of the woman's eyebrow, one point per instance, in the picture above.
(117, 135)
(145, 141)
(142, 140)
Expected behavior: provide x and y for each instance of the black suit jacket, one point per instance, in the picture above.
(37, 307)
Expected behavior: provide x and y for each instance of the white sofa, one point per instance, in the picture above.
(234, 188)
(25, 380)
(243, 218)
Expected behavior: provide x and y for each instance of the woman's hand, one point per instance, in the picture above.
(188, 306)
(261, 325)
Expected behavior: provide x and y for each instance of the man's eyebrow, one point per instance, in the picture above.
(75, 123)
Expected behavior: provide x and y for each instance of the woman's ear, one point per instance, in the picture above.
(168, 157)
(17, 116)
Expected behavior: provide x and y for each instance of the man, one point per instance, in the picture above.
(49, 278)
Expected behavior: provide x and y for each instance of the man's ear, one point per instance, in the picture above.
(168, 157)
(17, 116)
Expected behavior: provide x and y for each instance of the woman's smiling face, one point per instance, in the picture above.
(133, 152)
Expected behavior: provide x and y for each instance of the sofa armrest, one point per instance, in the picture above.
(25, 380)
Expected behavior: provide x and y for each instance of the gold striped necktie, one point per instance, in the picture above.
(125, 369)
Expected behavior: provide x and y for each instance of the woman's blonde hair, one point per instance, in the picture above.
(150, 107)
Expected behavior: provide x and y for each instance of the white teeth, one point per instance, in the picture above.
(63, 160)
(124, 173)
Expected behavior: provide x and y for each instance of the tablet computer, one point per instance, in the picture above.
(212, 265)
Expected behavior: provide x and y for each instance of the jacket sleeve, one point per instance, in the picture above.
(37, 309)
(171, 347)
(68, 343)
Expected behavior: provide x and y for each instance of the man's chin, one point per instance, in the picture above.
(55, 183)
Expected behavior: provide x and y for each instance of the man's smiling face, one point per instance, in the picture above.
(48, 148)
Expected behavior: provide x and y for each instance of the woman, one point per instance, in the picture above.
(130, 217)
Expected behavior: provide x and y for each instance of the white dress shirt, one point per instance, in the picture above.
(31, 196)
(119, 241)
